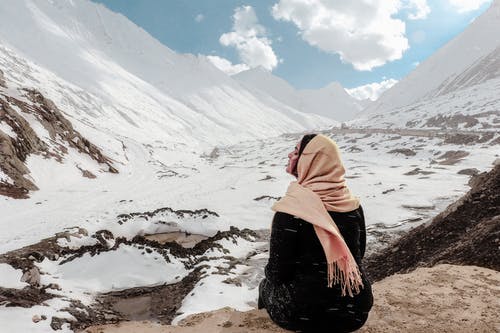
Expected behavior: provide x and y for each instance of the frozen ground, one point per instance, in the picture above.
(402, 178)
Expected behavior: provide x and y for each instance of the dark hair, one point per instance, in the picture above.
(305, 140)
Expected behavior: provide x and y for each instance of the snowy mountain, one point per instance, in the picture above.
(470, 59)
(331, 101)
(113, 83)
(104, 71)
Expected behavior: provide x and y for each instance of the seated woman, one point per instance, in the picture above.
(314, 280)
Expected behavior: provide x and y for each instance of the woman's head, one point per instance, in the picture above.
(319, 162)
(293, 156)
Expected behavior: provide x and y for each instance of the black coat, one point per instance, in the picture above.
(295, 291)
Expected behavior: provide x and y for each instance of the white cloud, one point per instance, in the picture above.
(198, 18)
(372, 90)
(249, 38)
(227, 66)
(363, 33)
(463, 6)
(421, 9)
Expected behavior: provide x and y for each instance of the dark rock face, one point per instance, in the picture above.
(466, 233)
(2, 80)
(16, 147)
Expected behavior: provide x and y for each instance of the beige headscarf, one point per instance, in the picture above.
(320, 186)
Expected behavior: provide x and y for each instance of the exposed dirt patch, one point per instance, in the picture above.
(418, 171)
(26, 297)
(13, 191)
(452, 157)
(469, 172)
(268, 177)
(87, 173)
(61, 135)
(354, 149)
(266, 197)
(184, 239)
(181, 213)
(495, 141)
(461, 139)
(404, 151)
(2, 80)
(453, 121)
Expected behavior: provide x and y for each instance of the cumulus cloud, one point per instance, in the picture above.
(362, 33)
(227, 66)
(372, 90)
(250, 40)
(463, 6)
(421, 9)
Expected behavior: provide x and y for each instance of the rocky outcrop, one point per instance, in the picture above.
(466, 233)
(22, 140)
(2, 80)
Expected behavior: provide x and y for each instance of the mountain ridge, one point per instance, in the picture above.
(480, 39)
(132, 80)
(330, 101)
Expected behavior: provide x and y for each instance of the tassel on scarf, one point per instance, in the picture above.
(347, 274)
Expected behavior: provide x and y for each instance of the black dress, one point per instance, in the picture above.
(294, 291)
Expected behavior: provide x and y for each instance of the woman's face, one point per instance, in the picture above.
(293, 157)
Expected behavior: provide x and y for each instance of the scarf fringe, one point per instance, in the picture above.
(346, 273)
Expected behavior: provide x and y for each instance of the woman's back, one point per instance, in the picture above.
(296, 275)
(314, 278)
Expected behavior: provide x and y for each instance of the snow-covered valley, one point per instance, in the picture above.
(402, 177)
(131, 175)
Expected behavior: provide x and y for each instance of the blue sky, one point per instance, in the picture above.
(300, 40)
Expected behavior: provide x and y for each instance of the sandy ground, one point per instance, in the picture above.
(444, 298)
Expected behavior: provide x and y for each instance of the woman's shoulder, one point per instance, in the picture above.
(282, 216)
(282, 219)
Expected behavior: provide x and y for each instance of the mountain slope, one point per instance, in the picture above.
(331, 101)
(105, 71)
(466, 233)
(464, 61)
(31, 124)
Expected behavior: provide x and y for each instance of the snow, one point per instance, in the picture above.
(4, 178)
(18, 319)
(211, 293)
(480, 101)
(104, 71)
(11, 277)
(331, 101)
(226, 185)
(4, 127)
(125, 267)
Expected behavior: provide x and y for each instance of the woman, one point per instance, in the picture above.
(314, 278)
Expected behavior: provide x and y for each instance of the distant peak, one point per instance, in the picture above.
(260, 69)
(334, 85)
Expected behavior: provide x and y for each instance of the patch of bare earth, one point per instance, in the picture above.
(451, 157)
(15, 149)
